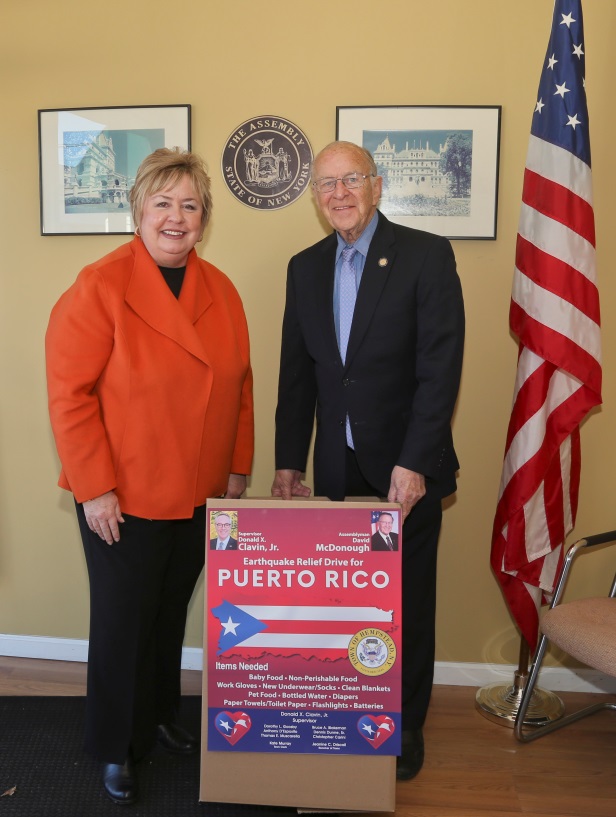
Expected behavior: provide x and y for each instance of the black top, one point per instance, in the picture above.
(174, 276)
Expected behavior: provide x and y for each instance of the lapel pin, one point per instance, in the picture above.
(383, 262)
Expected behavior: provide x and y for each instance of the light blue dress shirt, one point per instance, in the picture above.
(362, 246)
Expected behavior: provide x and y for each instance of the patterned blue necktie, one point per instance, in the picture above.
(348, 296)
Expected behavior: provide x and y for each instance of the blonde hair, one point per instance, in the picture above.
(165, 168)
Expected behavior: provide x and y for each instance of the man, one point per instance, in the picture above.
(372, 339)
(383, 538)
(224, 540)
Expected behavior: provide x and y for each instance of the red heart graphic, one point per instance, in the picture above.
(232, 725)
(376, 729)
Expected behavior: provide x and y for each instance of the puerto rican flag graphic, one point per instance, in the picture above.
(295, 628)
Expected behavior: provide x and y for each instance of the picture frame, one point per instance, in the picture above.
(88, 158)
(439, 163)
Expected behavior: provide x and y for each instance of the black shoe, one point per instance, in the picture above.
(120, 782)
(176, 740)
(411, 760)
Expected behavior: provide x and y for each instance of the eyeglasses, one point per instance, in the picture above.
(350, 181)
(223, 524)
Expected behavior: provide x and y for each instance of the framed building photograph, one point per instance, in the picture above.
(88, 158)
(439, 164)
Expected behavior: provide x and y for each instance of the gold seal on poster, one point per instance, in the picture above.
(372, 652)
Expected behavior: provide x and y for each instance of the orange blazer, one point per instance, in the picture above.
(149, 395)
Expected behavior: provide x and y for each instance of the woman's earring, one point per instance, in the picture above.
(137, 231)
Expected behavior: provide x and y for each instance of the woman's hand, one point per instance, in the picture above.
(103, 515)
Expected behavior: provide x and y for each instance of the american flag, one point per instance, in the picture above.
(555, 314)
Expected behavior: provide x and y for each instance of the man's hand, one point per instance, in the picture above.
(102, 515)
(407, 488)
(287, 484)
(236, 486)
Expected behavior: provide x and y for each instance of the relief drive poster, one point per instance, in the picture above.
(303, 628)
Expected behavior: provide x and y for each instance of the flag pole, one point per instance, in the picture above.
(554, 313)
(500, 702)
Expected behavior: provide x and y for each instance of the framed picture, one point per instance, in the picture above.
(88, 158)
(439, 164)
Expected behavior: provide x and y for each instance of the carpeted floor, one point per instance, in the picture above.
(41, 758)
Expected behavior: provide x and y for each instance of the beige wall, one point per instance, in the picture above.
(233, 61)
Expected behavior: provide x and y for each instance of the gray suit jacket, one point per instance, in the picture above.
(231, 544)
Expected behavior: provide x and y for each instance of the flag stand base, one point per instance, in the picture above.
(500, 702)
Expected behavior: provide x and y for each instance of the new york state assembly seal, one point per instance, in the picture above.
(266, 162)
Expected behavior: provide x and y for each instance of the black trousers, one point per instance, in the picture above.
(140, 588)
(420, 534)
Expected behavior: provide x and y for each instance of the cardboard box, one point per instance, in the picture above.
(306, 781)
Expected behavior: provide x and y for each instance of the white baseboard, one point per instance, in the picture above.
(71, 649)
(445, 672)
(555, 679)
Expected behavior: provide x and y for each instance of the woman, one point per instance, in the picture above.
(150, 398)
